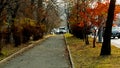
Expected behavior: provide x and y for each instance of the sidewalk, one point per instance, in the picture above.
(48, 54)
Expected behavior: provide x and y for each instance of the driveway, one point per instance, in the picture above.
(51, 53)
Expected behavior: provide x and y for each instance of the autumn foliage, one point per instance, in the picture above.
(18, 24)
(22, 32)
(22, 21)
(83, 15)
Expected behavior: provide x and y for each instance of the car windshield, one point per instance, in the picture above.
(62, 28)
(115, 29)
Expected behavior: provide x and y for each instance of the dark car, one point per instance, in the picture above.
(115, 32)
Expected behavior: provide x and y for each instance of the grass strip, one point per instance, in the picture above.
(85, 56)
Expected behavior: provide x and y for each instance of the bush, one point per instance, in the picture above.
(38, 32)
(79, 31)
(26, 33)
(17, 34)
(21, 31)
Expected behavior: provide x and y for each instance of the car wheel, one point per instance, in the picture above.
(118, 37)
(113, 37)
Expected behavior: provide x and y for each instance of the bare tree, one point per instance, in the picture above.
(53, 17)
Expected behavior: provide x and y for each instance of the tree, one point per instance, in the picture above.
(52, 19)
(12, 10)
(106, 45)
(3, 4)
(98, 17)
(81, 17)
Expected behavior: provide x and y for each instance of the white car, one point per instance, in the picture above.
(60, 30)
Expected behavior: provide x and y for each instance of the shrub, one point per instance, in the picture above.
(17, 34)
(79, 31)
(21, 31)
(38, 32)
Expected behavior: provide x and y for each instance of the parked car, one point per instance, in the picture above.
(115, 32)
(57, 31)
(60, 30)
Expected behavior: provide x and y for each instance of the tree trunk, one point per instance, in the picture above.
(85, 35)
(106, 46)
(94, 39)
(100, 34)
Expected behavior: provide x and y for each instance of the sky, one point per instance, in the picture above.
(117, 1)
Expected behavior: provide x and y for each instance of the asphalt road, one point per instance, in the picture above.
(116, 42)
(51, 53)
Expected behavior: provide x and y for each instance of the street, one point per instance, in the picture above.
(116, 42)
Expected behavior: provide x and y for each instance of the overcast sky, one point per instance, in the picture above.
(118, 1)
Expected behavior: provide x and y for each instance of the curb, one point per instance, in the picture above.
(23, 50)
(69, 54)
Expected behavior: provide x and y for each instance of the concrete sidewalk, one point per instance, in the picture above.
(51, 53)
